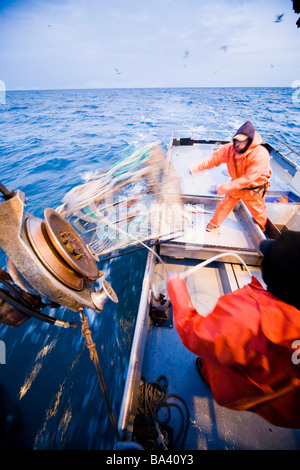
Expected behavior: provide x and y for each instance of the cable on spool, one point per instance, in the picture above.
(16, 299)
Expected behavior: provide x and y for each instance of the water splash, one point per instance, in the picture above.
(30, 378)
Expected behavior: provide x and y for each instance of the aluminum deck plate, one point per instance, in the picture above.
(238, 232)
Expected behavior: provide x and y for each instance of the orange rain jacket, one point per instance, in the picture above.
(249, 169)
(248, 346)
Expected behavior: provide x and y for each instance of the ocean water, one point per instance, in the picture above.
(49, 140)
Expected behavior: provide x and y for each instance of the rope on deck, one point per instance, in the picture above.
(152, 431)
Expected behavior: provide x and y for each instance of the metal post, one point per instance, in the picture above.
(86, 332)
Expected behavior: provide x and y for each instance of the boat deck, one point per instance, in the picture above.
(157, 349)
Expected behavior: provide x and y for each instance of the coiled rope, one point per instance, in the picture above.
(152, 399)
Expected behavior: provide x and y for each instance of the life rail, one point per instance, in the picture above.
(279, 146)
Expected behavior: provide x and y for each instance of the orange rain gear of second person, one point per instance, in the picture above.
(249, 342)
(248, 164)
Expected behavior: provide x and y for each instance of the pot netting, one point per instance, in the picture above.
(136, 200)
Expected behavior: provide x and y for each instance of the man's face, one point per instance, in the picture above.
(240, 146)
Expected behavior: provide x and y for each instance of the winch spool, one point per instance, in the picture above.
(47, 262)
(61, 250)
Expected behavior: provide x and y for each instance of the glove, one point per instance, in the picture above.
(172, 276)
(213, 190)
(193, 169)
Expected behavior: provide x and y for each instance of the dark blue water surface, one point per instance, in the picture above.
(48, 141)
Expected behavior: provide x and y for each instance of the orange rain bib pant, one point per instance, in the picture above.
(255, 203)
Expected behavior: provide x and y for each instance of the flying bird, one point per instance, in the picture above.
(279, 18)
(186, 54)
(117, 71)
(224, 48)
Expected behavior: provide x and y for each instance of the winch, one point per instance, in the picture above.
(48, 258)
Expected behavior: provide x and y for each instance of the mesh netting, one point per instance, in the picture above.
(136, 200)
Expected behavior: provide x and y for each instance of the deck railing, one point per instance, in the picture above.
(285, 150)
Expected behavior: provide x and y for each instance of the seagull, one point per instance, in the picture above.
(279, 18)
(186, 54)
(224, 48)
(117, 71)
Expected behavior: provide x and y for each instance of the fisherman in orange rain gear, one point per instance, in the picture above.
(248, 164)
(248, 346)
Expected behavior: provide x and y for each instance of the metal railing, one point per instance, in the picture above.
(280, 146)
(285, 150)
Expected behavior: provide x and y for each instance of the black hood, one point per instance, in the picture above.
(281, 267)
(247, 129)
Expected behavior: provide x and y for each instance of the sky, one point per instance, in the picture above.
(57, 44)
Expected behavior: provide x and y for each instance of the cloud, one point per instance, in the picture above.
(71, 43)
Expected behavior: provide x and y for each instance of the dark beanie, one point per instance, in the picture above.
(246, 129)
(281, 267)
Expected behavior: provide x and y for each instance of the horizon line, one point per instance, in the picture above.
(144, 88)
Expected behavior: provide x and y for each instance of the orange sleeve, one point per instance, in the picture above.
(215, 159)
(219, 337)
